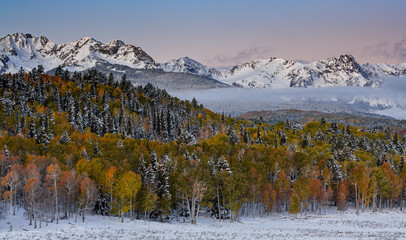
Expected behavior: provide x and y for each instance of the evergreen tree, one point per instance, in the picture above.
(259, 138)
(85, 155)
(65, 139)
(6, 152)
(232, 136)
(32, 131)
(245, 135)
(96, 147)
(194, 103)
(111, 79)
(43, 137)
(59, 71)
(283, 138)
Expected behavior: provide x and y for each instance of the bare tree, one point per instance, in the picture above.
(88, 195)
(10, 181)
(53, 174)
(69, 187)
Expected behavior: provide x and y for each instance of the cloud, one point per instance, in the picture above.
(391, 51)
(236, 101)
(240, 57)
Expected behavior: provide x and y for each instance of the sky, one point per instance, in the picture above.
(222, 33)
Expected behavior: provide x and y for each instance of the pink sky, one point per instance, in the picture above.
(223, 33)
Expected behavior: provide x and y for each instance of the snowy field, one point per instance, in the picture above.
(331, 226)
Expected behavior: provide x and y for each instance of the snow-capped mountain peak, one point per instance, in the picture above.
(335, 71)
(24, 50)
(188, 65)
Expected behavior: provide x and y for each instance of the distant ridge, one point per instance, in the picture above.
(27, 51)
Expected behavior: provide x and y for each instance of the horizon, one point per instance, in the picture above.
(217, 67)
(226, 33)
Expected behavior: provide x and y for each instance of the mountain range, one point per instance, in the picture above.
(27, 51)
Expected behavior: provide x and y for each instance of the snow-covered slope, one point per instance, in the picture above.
(281, 73)
(24, 50)
(187, 65)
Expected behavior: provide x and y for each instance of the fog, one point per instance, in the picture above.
(388, 100)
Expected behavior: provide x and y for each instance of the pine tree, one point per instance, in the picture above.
(335, 169)
(401, 163)
(43, 137)
(259, 138)
(32, 132)
(194, 103)
(85, 155)
(65, 139)
(111, 79)
(245, 135)
(79, 122)
(6, 152)
(232, 136)
(59, 71)
(40, 69)
(320, 136)
(283, 138)
(96, 147)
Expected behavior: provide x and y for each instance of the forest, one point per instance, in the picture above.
(87, 143)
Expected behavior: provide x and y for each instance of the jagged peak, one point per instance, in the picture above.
(15, 37)
(44, 39)
(22, 36)
(87, 40)
(342, 58)
(188, 59)
(181, 59)
(24, 39)
(185, 60)
(116, 42)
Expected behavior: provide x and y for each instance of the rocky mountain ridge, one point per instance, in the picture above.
(26, 51)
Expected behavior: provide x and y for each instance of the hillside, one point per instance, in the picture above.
(75, 145)
(364, 120)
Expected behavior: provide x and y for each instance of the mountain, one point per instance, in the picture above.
(187, 65)
(174, 81)
(280, 73)
(24, 50)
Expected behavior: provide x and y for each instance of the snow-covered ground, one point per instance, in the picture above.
(334, 225)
